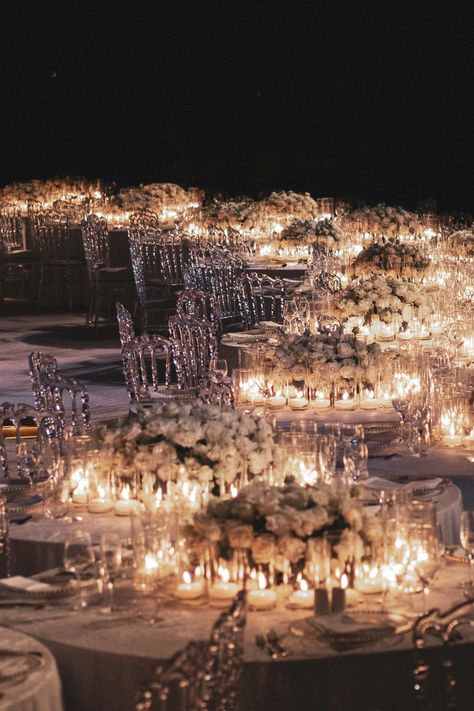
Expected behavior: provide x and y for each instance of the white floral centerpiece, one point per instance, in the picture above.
(210, 442)
(276, 524)
(383, 220)
(392, 257)
(328, 357)
(167, 199)
(382, 299)
(324, 233)
(462, 243)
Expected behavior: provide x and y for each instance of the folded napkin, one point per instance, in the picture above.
(18, 582)
(343, 624)
(270, 324)
(375, 482)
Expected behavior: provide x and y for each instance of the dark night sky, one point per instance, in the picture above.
(338, 98)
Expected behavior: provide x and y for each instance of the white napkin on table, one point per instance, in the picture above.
(343, 624)
(18, 582)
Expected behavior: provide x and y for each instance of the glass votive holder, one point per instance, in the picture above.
(263, 596)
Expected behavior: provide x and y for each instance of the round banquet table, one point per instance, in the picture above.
(38, 691)
(104, 658)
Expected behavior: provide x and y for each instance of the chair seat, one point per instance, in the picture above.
(19, 256)
(63, 263)
(115, 274)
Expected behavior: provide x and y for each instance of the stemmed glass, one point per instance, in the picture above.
(355, 455)
(427, 558)
(218, 368)
(111, 556)
(467, 542)
(401, 405)
(78, 558)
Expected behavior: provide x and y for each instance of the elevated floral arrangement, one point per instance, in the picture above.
(287, 206)
(76, 189)
(329, 357)
(324, 233)
(277, 524)
(161, 197)
(383, 220)
(208, 441)
(462, 243)
(240, 214)
(385, 299)
(390, 256)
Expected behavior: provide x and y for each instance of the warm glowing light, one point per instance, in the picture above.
(151, 564)
(125, 493)
(262, 583)
(304, 585)
(225, 575)
(344, 581)
(186, 577)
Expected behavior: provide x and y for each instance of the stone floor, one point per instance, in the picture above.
(92, 355)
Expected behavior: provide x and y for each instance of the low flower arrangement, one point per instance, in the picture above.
(327, 357)
(392, 257)
(324, 233)
(277, 524)
(211, 443)
(386, 299)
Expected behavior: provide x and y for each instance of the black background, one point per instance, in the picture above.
(366, 99)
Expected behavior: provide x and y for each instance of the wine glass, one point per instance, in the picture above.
(78, 558)
(427, 557)
(467, 542)
(401, 404)
(355, 455)
(111, 555)
(218, 368)
(351, 433)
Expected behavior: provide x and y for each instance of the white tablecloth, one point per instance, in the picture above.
(103, 659)
(40, 690)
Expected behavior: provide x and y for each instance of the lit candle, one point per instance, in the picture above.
(320, 402)
(371, 581)
(189, 589)
(370, 402)
(263, 598)
(299, 402)
(303, 598)
(125, 505)
(346, 403)
(275, 402)
(101, 503)
(223, 589)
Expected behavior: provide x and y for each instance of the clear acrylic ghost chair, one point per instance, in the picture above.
(16, 263)
(194, 345)
(204, 675)
(261, 298)
(442, 680)
(106, 282)
(125, 325)
(66, 398)
(216, 393)
(57, 262)
(141, 367)
(200, 305)
(27, 435)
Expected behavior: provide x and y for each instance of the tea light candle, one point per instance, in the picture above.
(263, 598)
(256, 398)
(370, 402)
(371, 582)
(223, 589)
(303, 597)
(80, 497)
(321, 403)
(101, 503)
(124, 507)
(298, 403)
(275, 402)
(189, 589)
(347, 403)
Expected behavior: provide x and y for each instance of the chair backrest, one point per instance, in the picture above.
(145, 221)
(52, 232)
(204, 675)
(437, 682)
(216, 272)
(11, 231)
(95, 238)
(51, 392)
(140, 366)
(125, 325)
(200, 305)
(172, 256)
(261, 298)
(216, 393)
(146, 262)
(24, 460)
(194, 344)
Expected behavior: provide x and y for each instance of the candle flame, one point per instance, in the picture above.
(151, 563)
(233, 491)
(101, 491)
(186, 577)
(125, 493)
(225, 575)
(304, 585)
(262, 583)
(345, 395)
(344, 581)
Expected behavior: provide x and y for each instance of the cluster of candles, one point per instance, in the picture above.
(456, 427)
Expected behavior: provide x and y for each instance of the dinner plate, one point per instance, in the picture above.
(14, 663)
(359, 627)
(62, 584)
